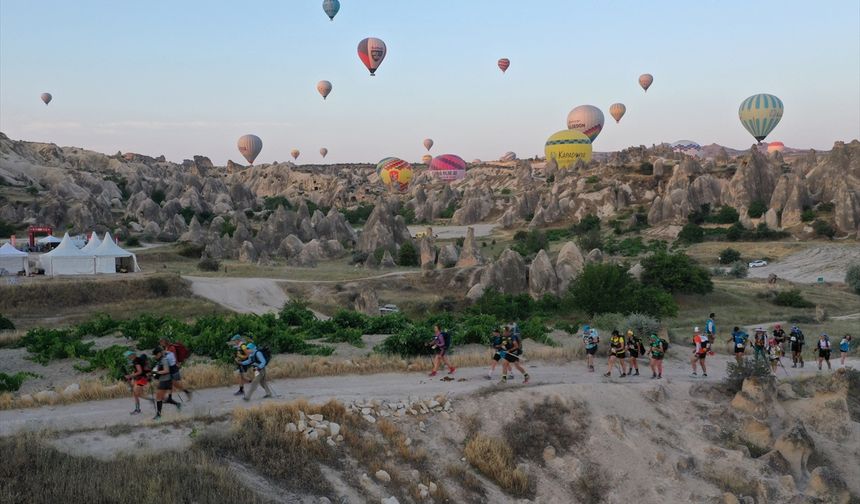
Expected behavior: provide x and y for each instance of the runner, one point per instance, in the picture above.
(259, 360)
(844, 347)
(441, 343)
(711, 329)
(513, 354)
(617, 351)
(498, 349)
(657, 351)
(739, 343)
(774, 352)
(244, 348)
(634, 350)
(779, 336)
(700, 352)
(138, 378)
(759, 339)
(176, 354)
(165, 381)
(591, 339)
(824, 350)
(796, 341)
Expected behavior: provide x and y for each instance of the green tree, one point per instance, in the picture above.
(609, 288)
(408, 256)
(757, 209)
(691, 233)
(726, 215)
(676, 273)
(157, 196)
(852, 277)
(729, 256)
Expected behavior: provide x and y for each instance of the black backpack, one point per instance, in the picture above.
(267, 353)
(144, 364)
(447, 337)
(665, 344)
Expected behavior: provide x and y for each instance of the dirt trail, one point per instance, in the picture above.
(388, 386)
(829, 262)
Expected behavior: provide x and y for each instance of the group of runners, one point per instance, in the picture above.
(625, 350)
(167, 358)
(772, 346)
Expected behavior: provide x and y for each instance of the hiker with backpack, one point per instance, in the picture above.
(774, 353)
(824, 350)
(440, 343)
(657, 349)
(176, 354)
(243, 347)
(634, 350)
(738, 339)
(759, 339)
(498, 350)
(617, 351)
(138, 378)
(711, 329)
(779, 336)
(513, 353)
(796, 341)
(590, 338)
(699, 352)
(258, 360)
(844, 347)
(163, 374)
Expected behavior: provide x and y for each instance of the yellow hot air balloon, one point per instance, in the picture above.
(567, 147)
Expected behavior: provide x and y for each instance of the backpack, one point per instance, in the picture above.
(267, 353)
(180, 351)
(447, 337)
(144, 364)
(665, 344)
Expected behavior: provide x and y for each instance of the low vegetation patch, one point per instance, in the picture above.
(548, 423)
(11, 383)
(494, 458)
(852, 277)
(736, 373)
(792, 298)
(591, 485)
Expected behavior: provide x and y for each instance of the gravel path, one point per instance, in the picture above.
(829, 262)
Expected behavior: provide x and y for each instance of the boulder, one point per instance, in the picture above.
(290, 247)
(427, 249)
(771, 219)
(387, 261)
(757, 433)
(366, 302)
(507, 274)
(636, 271)
(796, 446)
(542, 277)
(595, 256)
(568, 265)
(826, 485)
(448, 256)
(247, 252)
(470, 255)
(383, 476)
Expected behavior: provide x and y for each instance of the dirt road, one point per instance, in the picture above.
(829, 262)
(389, 386)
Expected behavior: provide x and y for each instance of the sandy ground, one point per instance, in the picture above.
(243, 295)
(828, 262)
(387, 386)
(451, 232)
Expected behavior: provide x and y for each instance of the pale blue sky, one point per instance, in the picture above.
(189, 77)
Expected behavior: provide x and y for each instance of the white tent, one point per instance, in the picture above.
(92, 245)
(67, 259)
(48, 240)
(13, 260)
(110, 257)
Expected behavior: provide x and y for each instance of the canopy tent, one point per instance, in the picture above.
(50, 240)
(13, 260)
(92, 245)
(111, 258)
(67, 259)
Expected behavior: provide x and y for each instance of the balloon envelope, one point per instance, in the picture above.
(504, 63)
(250, 147)
(295, 153)
(586, 119)
(760, 114)
(428, 143)
(324, 88)
(395, 173)
(323, 152)
(46, 97)
(567, 147)
(426, 159)
(645, 80)
(508, 156)
(372, 51)
(775, 147)
(330, 7)
(448, 167)
(617, 110)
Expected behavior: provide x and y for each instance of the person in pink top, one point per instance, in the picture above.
(441, 343)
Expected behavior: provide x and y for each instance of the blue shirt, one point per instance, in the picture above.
(843, 345)
(710, 327)
(740, 338)
(257, 359)
(590, 338)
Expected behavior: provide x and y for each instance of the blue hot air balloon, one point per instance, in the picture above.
(331, 7)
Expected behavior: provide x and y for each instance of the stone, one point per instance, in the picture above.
(568, 265)
(548, 453)
(507, 274)
(595, 256)
(312, 435)
(826, 485)
(367, 302)
(432, 487)
(470, 255)
(71, 390)
(796, 446)
(387, 261)
(390, 500)
(316, 418)
(757, 434)
(368, 418)
(729, 498)
(324, 500)
(291, 427)
(383, 476)
(334, 428)
(448, 256)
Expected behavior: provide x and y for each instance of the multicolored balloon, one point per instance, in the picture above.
(504, 63)
(567, 147)
(295, 153)
(250, 147)
(448, 167)
(46, 97)
(645, 80)
(372, 51)
(428, 143)
(760, 114)
(330, 7)
(775, 147)
(508, 156)
(426, 159)
(395, 173)
(324, 88)
(617, 110)
(586, 119)
(323, 152)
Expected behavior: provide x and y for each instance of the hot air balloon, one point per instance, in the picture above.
(476, 161)
(46, 97)
(371, 51)
(330, 7)
(687, 147)
(504, 63)
(250, 147)
(508, 156)
(395, 173)
(295, 153)
(428, 143)
(645, 81)
(567, 147)
(586, 119)
(324, 88)
(323, 152)
(426, 159)
(775, 147)
(760, 114)
(617, 110)
(448, 167)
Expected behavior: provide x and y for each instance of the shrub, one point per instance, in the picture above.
(408, 256)
(736, 373)
(209, 264)
(808, 215)
(190, 250)
(358, 257)
(408, 215)
(112, 359)
(592, 179)
(826, 207)
(46, 345)
(691, 233)
(729, 256)
(296, 313)
(11, 383)
(187, 213)
(607, 288)
(823, 228)
(735, 232)
(528, 243)
(739, 270)
(494, 458)
(504, 306)
(389, 323)
(701, 215)
(410, 340)
(132, 241)
(852, 278)
(588, 223)
(272, 203)
(6, 324)
(756, 209)
(591, 240)
(157, 196)
(725, 215)
(6, 229)
(448, 212)
(642, 324)
(646, 168)
(792, 298)
(676, 273)
(506, 191)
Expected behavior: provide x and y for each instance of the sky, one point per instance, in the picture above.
(189, 77)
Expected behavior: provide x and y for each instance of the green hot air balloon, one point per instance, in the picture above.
(760, 114)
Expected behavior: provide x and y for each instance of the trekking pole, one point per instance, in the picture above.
(779, 361)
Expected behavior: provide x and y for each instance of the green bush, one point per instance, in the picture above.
(505, 191)
(691, 233)
(642, 324)
(756, 209)
(350, 319)
(46, 345)
(852, 278)
(823, 228)
(296, 313)
(389, 323)
(588, 223)
(808, 215)
(272, 203)
(591, 240)
(100, 325)
(725, 215)
(529, 242)
(187, 213)
(792, 298)
(209, 264)
(6, 324)
(408, 215)
(132, 241)
(676, 273)
(609, 288)
(111, 359)
(826, 207)
(157, 196)
(410, 340)
(729, 256)
(739, 270)
(737, 372)
(11, 383)
(359, 214)
(408, 255)
(6, 229)
(475, 329)
(190, 250)
(646, 168)
(448, 212)
(593, 179)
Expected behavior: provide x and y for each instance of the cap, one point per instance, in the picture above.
(629, 332)
(235, 337)
(128, 353)
(777, 326)
(586, 328)
(157, 350)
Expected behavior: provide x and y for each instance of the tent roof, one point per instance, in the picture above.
(92, 245)
(109, 248)
(7, 250)
(50, 239)
(66, 248)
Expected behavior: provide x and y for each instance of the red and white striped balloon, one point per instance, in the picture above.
(504, 63)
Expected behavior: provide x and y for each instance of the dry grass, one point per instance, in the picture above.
(550, 423)
(473, 487)
(709, 252)
(591, 484)
(494, 458)
(10, 338)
